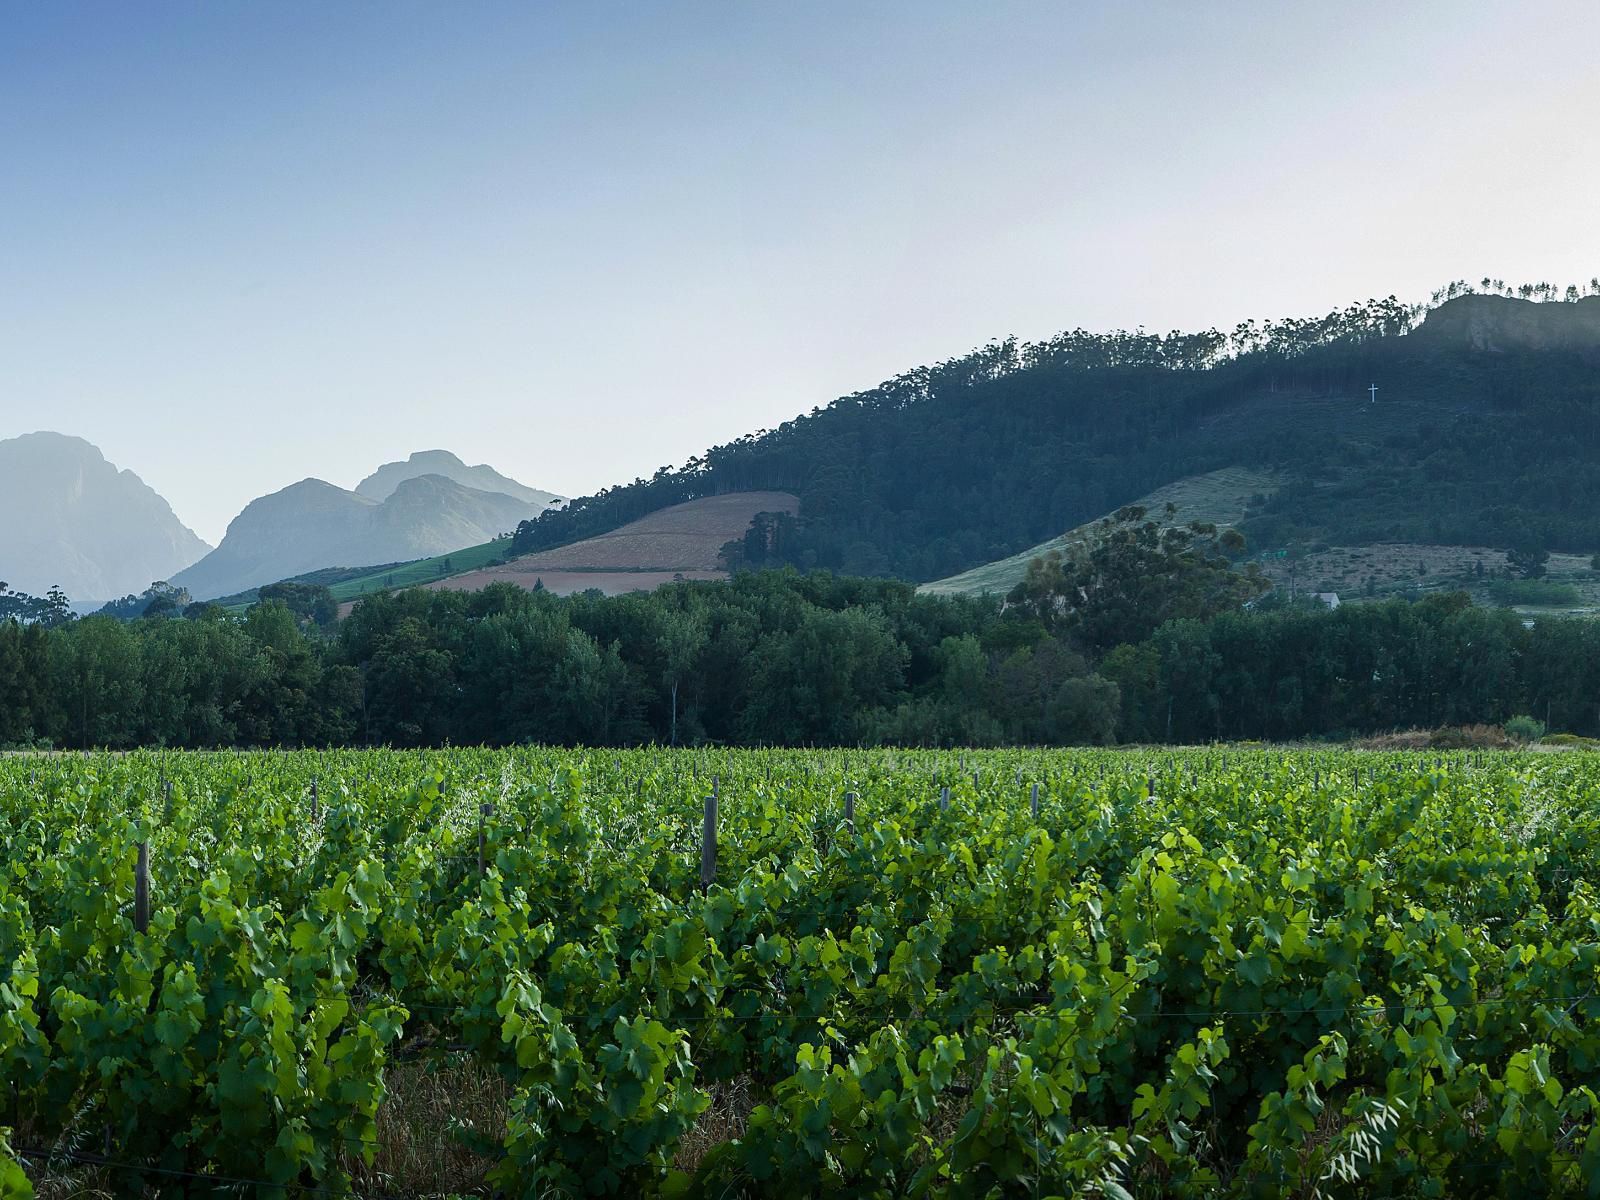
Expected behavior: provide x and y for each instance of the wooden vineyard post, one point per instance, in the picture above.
(316, 802)
(944, 799)
(484, 810)
(708, 845)
(1033, 802)
(141, 889)
(850, 810)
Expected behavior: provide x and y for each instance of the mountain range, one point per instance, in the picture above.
(98, 533)
(1473, 423)
(402, 511)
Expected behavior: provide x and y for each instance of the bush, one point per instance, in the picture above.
(1452, 737)
(1575, 740)
(1524, 729)
(1470, 737)
(1507, 592)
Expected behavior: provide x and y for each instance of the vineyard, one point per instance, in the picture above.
(842, 973)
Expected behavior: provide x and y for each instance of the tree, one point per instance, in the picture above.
(309, 602)
(1135, 575)
(682, 636)
(1528, 560)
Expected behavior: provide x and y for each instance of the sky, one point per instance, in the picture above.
(243, 244)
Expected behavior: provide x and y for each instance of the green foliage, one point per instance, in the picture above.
(1570, 739)
(160, 599)
(1524, 728)
(781, 658)
(310, 602)
(1528, 560)
(1134, 575)
(1202, 974)
(1532, 592)
(49, 611)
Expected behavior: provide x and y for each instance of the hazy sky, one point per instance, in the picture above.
(241, 244)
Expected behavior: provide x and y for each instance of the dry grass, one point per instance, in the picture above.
(431, 1113)
(1451, 737)
(433, 1110)
(731, 1104)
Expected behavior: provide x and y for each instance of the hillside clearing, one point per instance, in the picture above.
(1220, 497)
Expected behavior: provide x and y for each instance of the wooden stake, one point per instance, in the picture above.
(141, 890)
(1033, 802)
(850, 810)
(708, 845)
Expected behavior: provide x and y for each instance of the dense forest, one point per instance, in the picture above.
(949, 466)
(1157, 648)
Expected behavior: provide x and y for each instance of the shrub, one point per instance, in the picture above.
(1575, 740)
(1524, 729)
(1507, 592)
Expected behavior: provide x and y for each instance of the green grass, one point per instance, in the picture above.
(423, 570)
(347, 583)
(1510, 593)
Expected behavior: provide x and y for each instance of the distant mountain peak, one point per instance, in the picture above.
(79, 521)
(429, 505)
(381, 484)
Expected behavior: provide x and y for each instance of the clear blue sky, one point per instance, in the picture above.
(241, 244)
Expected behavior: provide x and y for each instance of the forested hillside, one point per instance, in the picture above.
(1485, 430)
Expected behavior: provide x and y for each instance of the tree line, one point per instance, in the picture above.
(1147, 637)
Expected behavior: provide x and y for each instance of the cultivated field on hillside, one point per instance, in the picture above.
(653, 973)
(684, 539)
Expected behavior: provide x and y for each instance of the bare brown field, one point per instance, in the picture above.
(681, 542)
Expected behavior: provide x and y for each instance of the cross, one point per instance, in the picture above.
(1373, 391)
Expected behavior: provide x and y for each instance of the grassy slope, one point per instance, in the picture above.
(423, 570)
(1220, 497)
(348, 584)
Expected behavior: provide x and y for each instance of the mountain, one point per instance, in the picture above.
(73, 519)
(313, 524)
(1484, 431)
(380, 485)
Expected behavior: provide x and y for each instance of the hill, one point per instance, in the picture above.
(381, 484)
(1222, 498)
(681, 540)
(313, 525)
(1485, 431)
(73, 519)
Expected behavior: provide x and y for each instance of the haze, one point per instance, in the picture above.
(240, 245)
